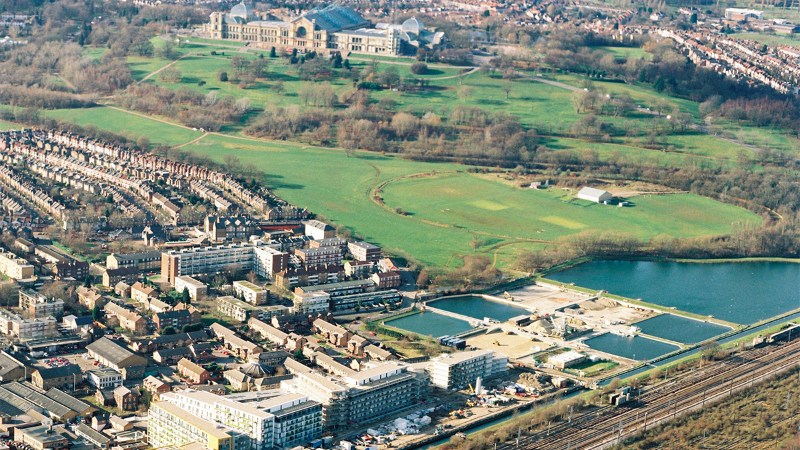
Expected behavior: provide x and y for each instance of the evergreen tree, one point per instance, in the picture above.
(185, 297)
(97, 313)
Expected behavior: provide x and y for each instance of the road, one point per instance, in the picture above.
(611, 425)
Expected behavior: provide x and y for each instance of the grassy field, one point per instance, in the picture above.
(592, 368)
(627, 52)
(5, 126)
(130, 125)
(339, 188)
(499, 211)
(769, 39)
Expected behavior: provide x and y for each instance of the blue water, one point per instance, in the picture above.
(739, 292)
(680, 329)
(637, 347)
(430, 324)
(478, 307)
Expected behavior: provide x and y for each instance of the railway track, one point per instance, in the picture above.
(609, 425)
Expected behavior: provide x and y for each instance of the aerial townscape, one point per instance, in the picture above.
(368, 225)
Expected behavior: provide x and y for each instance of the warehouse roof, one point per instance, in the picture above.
(115, 353)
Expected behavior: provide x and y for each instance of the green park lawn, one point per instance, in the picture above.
(126, 124)
(497, 210)
(628, 52)
(503, 220)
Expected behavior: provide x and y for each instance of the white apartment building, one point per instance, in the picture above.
(246, 256)
(15, 267)
(235, 308)
(457, 370)
(197, 289)
(249, 292)
(311, 302)
(267, 260)
(278, 422)
(356, 396)
(170, 427)
(14, 325)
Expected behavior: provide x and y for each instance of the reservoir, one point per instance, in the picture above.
(636, 347)
(429, 323)
(680, 329)
(478, 307)
(739, 292)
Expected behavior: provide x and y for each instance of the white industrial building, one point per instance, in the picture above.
(457, 370)
(594, 195)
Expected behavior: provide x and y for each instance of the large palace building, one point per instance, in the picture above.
(331, 29)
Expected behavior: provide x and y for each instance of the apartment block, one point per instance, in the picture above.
(61, 264)
(268, 261)
(339, 289)
(242, 311)
(218, 258)
(13, 325)
(339, 243)
(15, 267)
(169, 426)
(311, 302)
(176, 319)
(36, 305)
(350, 396)
(320, 256)
(457, 370)
(234, 308)
(276, 422)
(249, 292)
(143, 261)
(197, 289)
(301, 276)
(364, 251)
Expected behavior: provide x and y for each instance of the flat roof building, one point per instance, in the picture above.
(197, 289)
(279, 422)
(15, 267)
(350, 396)
(566, 359)
(457, 370)
(249, 292)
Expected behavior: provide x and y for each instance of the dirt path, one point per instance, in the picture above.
(192, 141)
(152, 74)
